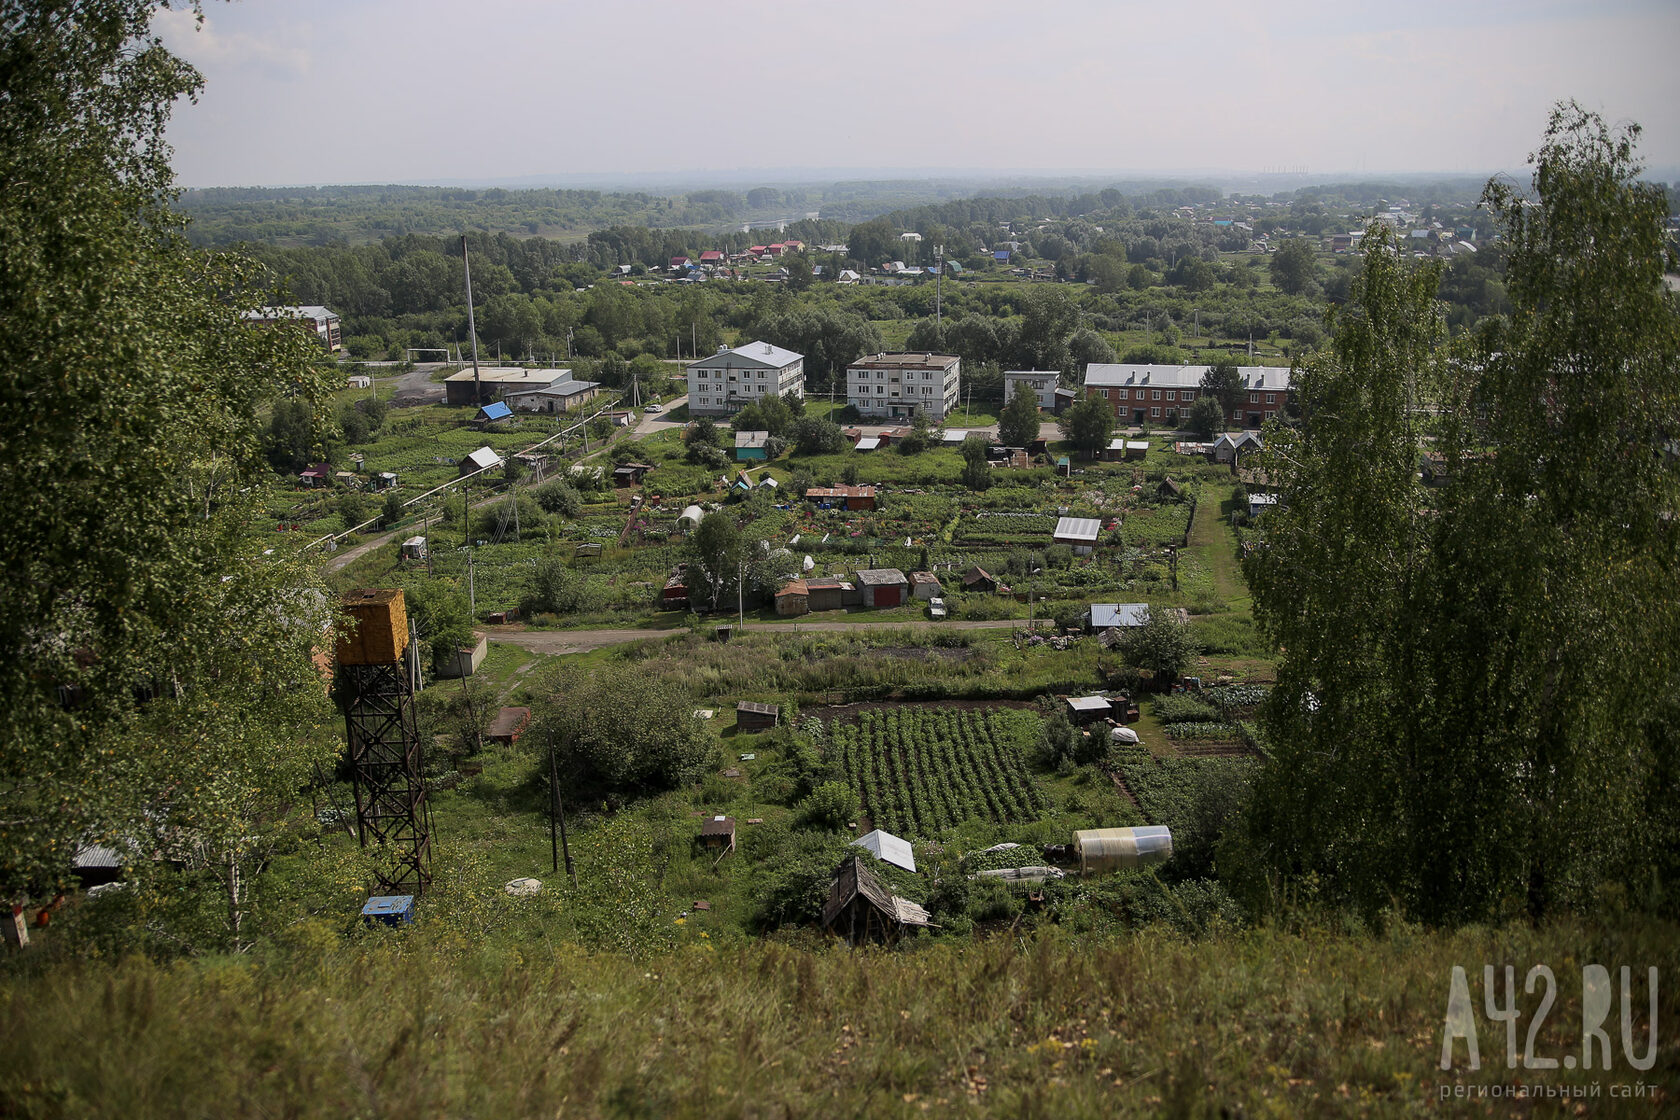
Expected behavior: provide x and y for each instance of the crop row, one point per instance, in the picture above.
(921, 770)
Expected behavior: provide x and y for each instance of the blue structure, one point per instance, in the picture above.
(496, 410)
(389, 909)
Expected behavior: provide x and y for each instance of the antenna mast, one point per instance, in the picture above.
(472, 329)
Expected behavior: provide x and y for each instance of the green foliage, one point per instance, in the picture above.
(558, 588)
(1207, 417)
(976, 474)
(135, 467)
(831, 806)
(813, 435)
(1163, 645)
(291, 440)
(1184, 707)
(1018, 425)
(1087, 424)
(1463, 709)
(1294, 265)
(619, 731)
(354, 508)
(559, 496)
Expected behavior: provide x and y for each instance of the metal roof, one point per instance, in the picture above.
(1089, 704)
(753, 353)
(751, 439)
(868, 443)
(881, 577)
(1104, 615)
(483, 459)
(1099, 375)
(1078, 528)
(495, 410)
(888, 848)
(756, 706)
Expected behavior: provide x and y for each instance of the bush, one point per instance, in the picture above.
(831, 806)
(560, 497)
(1184, 708)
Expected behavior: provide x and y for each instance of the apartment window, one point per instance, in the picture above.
(1254, 398)
(1271, 398)
(1237, 416)
(1155, 411)
(1154, 394)
(880, 388)
(1105, 394)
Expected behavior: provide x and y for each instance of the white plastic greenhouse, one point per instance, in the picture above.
(1111, 849)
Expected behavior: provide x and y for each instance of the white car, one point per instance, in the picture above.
(936, 608)
(650, 408)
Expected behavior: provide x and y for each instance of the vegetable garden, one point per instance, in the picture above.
(919, 770)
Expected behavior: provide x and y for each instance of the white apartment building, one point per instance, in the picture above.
(1041, 382)
(904, 386)
(731, 379)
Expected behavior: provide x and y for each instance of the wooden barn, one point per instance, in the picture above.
(860, 909)
(750, 715)
(794, 599)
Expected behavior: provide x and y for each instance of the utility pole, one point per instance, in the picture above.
(938, 282)
(557, 813)
(472, 592)
(741, 592)
(472, 329)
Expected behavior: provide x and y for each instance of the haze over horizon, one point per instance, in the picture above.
(419, 91)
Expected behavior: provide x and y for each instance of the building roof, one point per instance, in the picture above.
(794, 587)
(881, 577)
(751, 439)
(1137, 445)
(1089, 704)
(757, 354)
(564, 388)
(495, 410)
(758, 707)
(1238, 440)
(1101, 375)
(828, 583)
(854, 879)
(869, 443)
(513, 376)
(1104, 615)
(482, 459)
(312, 311)
(905, 361)
(888, 848)
(508, 721)
(1033, 374)
(924, 578)
(718, 826)
(841, 492)
(1078, 528)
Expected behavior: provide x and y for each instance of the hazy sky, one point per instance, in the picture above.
(340, 91)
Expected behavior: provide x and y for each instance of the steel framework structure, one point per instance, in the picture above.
(392, 813)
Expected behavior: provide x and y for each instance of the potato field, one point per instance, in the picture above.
(917, 771)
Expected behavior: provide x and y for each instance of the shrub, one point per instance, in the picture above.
(1184, 708)
(560, 497)
(831, 806)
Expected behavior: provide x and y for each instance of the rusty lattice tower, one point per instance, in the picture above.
(377, 687)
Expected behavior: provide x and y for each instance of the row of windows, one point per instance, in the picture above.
(1173, 395)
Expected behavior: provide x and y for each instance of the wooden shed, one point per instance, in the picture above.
(979, 579)
(508, 726)
(750, 715)
(828, 593)
(718, 832)
(860, 909)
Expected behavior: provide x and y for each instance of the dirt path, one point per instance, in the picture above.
(1213, 541)
(556, 642)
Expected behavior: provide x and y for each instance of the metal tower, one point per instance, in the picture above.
(377, 686)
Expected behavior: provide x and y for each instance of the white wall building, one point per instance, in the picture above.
(904, 386)
(1042, 383)
(729, 380)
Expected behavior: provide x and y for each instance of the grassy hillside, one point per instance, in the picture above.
(437, 1022)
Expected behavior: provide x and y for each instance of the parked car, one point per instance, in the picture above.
(650, 408)
(936, 608)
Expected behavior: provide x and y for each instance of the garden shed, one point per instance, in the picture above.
(860, 909)
(979, 579)
(888, 848)
(1113, 849)
(508, 726)
(925, 585)
(830, 593)
(481, 460)
(794, 599)
(1102, 616)
(1079, 532)
(1084, 709)
(750, 715)
(414, 548)
(718, 832)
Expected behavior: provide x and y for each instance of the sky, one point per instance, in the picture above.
(424, 91)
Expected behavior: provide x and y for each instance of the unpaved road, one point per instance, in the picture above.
(556, 642)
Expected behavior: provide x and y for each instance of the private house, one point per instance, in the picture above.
(483, 459)
(1105, 616)
(317, 320)
(924, 586)
(1079, 532)
(712, 258)
(751, 445)
(905, 386)
(630, 474)
(750, 715)
(979, 579)
(1155, 395)
(842, 497)
(794, 599)
(1041, 382)
(883, 587)
(317, 476)
(498, 383)
(731, 379)
(496, 412)
(562, 396)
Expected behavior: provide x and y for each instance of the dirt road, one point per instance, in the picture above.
(556, 642)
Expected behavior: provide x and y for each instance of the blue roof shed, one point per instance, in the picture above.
(390, 909)
(495, 410)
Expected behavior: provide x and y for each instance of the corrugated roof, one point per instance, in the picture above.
(761, 708)
(881, 577)
(483, 459)
(1089, 704)
(1104, 615)
(868, 443)
(751, 439)
(495, 410)
(1078, 528)
(888, 848)
(759, 353)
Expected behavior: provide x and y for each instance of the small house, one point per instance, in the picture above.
(466, 660)
(1233, 445)
(861, 910)
(925, 585)
(751, 445)
(1078, 532)
(1103, 616)
(630, 474)
(1064, 399)
(750, 715)
(883, 587)
(1085, 709)
(496, 412)
(794, 599)
(508, 726)
(674, 597)
(384, 480)
(1136, 449)
(414, 548)
(1115, 451)
(1170, 489)
(842, 497)
(1260, 503)
(483, 459)
(317, 476)
(979, 579)
(718, 832)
